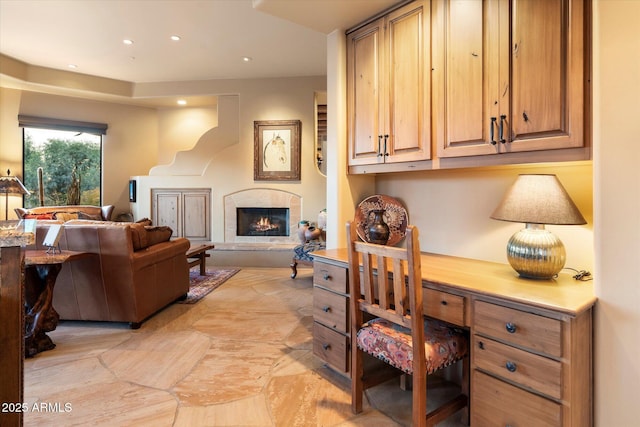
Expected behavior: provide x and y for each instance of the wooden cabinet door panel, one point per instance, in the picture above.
(407, 41)
(168, 211)
(364, 94)
(196, 215)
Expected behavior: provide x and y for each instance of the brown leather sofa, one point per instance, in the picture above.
(102, 213)
(128, 276)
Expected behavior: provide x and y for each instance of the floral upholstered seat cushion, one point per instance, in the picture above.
(391, 343)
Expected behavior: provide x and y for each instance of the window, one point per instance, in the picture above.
(62, 162)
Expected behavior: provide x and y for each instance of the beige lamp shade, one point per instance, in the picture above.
(538, 199)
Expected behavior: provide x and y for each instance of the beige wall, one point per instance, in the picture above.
(617, 210)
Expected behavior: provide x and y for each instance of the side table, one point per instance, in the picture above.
(41, 271)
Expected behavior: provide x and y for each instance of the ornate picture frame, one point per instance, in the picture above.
(276, 150)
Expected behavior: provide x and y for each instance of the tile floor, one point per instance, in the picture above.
(242, 356)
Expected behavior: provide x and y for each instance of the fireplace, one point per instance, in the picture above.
(262, 221)
(262, 198)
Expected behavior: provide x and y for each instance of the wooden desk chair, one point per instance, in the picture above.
(399, 323)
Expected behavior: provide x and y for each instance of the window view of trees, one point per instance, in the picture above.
(70, 165)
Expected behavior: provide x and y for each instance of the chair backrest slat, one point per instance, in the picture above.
(375, 285)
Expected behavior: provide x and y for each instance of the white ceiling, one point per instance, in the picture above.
(285, 38)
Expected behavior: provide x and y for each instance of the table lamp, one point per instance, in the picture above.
(536, 200)
(10, 185)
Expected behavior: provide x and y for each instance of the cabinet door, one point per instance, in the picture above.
(509, 76)
(407, 84)
(196, 215)
(167, 210)
(548, 77)
(364, 109)
(466, 75)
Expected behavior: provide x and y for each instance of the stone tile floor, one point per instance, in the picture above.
(240, 357)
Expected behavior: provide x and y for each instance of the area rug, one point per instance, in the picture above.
(200, 286)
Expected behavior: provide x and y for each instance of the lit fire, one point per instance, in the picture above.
(264, 224)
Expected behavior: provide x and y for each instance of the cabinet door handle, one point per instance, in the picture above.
(326, 309)
(379, 144)
(511, 327)
(511, 367)
(501, 129)
(385, 145)
(492, 124)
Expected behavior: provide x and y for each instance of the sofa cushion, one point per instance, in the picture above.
(138, 236)
(158, 234)
(65, 216)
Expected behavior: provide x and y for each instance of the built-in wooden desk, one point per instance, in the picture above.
(531, 340)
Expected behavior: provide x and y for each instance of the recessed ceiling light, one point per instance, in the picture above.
(74, 66)
(182, 102)
(247, 58)
(175, 38)
(127, 41)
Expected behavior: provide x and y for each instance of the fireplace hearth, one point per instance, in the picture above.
(253, 221)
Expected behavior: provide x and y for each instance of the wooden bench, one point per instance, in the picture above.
(198, 255)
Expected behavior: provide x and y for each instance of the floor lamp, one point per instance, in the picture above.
(10, 185)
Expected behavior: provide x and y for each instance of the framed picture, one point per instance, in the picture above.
(276, 150)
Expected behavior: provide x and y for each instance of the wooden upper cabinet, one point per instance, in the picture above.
(509, 76)
(388, 83)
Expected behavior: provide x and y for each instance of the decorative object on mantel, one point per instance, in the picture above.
(276, 150)
(322, 219)
(394, 216)
(536, 200)
(302, 228)
(312, 233)
(10, 185)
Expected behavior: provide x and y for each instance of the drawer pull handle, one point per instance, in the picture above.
(481, 345)
(325, 275)
(511, 367)
(326, 346)
(443, 302)
(326, 309)
(511, 327)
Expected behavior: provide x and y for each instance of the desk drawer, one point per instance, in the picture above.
(444, 306)
(331, 346)
(530, 370)
(496, 403)
(330, 309)
(518, 327)
(330, 277)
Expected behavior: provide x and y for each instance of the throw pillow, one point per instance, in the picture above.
(38, 216)
(138, 236)
(158, 234)
(84, 215)
(65, 216)
(145, 221)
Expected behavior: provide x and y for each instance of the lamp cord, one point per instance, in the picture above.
(582, 275)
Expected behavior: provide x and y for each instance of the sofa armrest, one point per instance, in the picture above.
(160, 252)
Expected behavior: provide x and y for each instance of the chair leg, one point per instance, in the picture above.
(357, 372)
